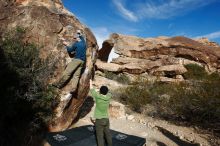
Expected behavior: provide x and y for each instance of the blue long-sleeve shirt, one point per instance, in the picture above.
(79, 48)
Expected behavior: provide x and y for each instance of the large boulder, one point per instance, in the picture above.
(162, 56)
(46, 22)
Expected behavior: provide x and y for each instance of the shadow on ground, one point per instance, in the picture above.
(174, 138)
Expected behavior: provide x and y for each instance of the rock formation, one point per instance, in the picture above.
(163, 56)
(45, 22)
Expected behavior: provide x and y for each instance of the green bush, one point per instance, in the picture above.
(195, 71)
(196, 102)
(135, 96)
(121, 78)
(26, 102)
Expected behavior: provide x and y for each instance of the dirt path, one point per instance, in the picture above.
(156, 132)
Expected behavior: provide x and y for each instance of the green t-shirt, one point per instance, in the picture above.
(102, 104)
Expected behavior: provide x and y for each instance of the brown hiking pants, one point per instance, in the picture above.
(72, 74)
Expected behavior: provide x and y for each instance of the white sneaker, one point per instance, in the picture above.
(68, 96)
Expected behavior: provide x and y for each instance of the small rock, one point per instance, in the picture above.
(130, 117)
(144, 134)
(144, 123)
(140, 120)
(155, 128)
(150, 125)
(154, 144)
(182, 137)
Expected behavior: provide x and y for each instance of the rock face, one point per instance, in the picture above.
(45, 22)
(163, 56)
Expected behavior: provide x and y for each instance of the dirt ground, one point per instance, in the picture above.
(157, 132)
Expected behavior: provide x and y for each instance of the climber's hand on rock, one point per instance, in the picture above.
(65, 43)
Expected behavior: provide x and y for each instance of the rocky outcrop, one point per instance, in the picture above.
(163, 56)
(205, 41)
(117, 110)
(112, 85)
(46, 22)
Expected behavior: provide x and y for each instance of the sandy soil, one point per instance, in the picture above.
(156, 132)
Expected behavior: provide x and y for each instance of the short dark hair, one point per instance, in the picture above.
(103, 90)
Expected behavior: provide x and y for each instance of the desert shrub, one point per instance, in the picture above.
(110, 75)
(121, 78)
(196, 102)
(213, 77)
(26, 102)
(135, 96)
(195, 72)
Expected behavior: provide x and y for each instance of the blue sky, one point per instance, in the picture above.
(149, 18)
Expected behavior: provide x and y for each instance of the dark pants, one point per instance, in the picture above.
(103, 132)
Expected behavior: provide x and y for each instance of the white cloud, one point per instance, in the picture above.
(125, 12)
(213, 35)
(159, 9)
(101, 34)
(169, 8)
